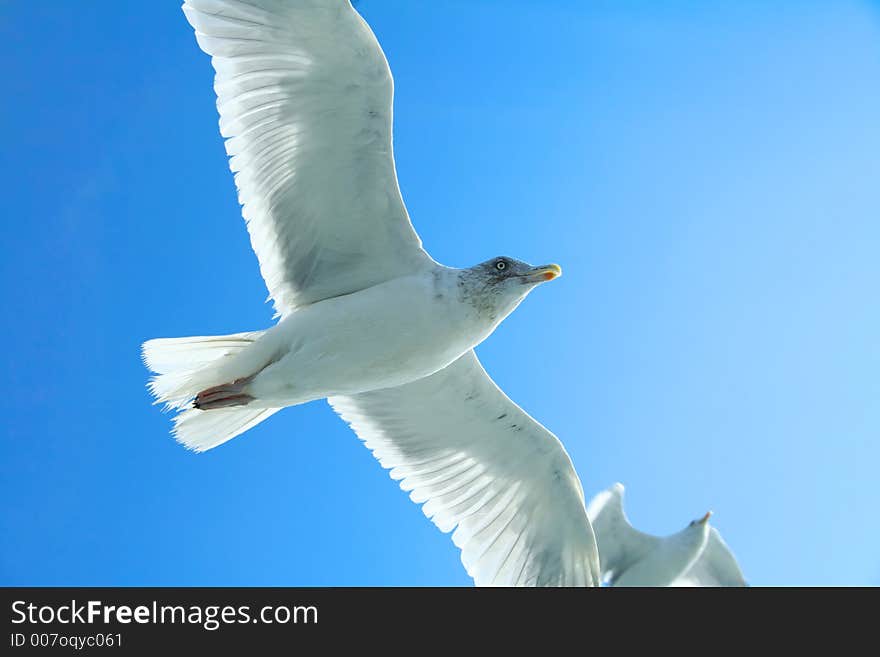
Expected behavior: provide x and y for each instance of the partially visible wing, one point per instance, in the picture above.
(716, 566)
(305, 100)
(481, 464)
(620, 544)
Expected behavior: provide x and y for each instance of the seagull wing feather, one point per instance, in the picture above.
(484, 468)
(620, 544)
(305, 100)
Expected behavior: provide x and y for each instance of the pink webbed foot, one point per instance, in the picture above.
(223, 396)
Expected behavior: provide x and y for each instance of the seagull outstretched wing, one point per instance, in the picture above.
(305, 100)
(620, 544)
(485, 468)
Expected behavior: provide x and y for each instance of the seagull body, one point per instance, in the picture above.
(386, 335)
(694, 556)
(367, 318)
(383, 336)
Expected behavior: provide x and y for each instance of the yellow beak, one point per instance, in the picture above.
(546, 273)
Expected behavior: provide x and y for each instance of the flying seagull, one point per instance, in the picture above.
(366, 317)
(695, 556)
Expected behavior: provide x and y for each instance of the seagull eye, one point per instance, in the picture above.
(501, 265)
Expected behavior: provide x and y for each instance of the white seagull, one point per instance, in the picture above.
(695, 556)
(367, 318)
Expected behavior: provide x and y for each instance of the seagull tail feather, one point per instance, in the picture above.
(201, 430)
(184, 367)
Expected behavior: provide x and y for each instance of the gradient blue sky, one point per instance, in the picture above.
(706, 174)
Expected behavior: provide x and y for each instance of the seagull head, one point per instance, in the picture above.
(692, 539)
(498, 285)
(507, 272)
(700, 525)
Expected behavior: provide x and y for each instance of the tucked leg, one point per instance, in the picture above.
(223, 396)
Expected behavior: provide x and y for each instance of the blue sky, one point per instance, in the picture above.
(705, 173)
